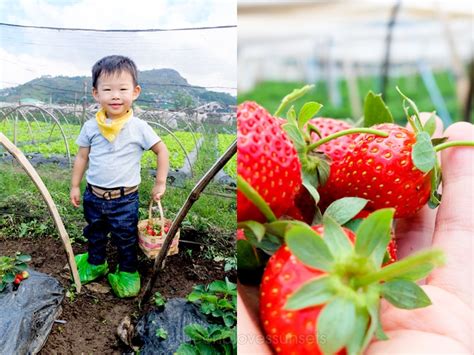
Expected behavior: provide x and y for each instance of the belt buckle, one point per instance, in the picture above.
(107, 195)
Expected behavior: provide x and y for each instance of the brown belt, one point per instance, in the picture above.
(110, 194)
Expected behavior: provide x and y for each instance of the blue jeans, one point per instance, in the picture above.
(119, 217)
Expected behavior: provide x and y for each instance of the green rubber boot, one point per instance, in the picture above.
(88, 272)
(125, 284)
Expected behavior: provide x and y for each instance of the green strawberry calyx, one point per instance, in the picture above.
(314, 164)
(355, 280)
(424, 150)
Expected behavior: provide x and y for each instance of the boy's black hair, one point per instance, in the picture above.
(114, 64)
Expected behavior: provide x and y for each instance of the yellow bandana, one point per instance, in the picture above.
(110, 130)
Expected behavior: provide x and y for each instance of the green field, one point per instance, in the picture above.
(223, 142)
(269, 94)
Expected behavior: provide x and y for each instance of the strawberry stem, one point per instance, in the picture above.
(253, 196)
(399, 268)
(453, 144)
(294, 95)
(344, 133)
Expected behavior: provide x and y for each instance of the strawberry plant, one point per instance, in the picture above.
(13, 269)
(218, 301)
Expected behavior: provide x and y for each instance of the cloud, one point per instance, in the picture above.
(207, 58)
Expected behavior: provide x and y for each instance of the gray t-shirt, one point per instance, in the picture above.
(117, 163)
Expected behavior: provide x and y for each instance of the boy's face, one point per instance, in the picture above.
(116, 93)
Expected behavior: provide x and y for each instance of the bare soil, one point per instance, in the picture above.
(91, 318)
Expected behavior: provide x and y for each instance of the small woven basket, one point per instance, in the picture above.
(151, 244)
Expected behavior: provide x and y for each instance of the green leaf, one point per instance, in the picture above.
(291, 115)
(256, 228)
(374, 231)
(248, 258)
(312, 190)
(9, 277)
(295, 135)
(312, 293)
(24, 258)
(344, 209)
(218, 286)
(308, 111)
(280, 227)
(335, 238)
(292, 96)
(423, 153)
(354, 346)
(419, 273)
(405, 294)
(322, 172)
(309, 247)
(336, 325)
(430, 125)
(186, 349)
(20, 267)
(375, 110)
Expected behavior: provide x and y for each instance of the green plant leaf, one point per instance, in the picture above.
(312, 293)
(355, 343)
(9, 277)
(336, 325)
(312, 190)
(344, 209)
(256, 228)
(419, 273)
(335, 238)
(292, 96)
(218, 286)
(309, 247)
(291, 116)
(280, 227)
(24, 258)
(307, 112)
(405, 294)
(295, 135)
(20, 267)
(416, 124)
(375, 110)
(186, 349)
(248, 257)
(430, 125)
(374, 231)
(423, 153)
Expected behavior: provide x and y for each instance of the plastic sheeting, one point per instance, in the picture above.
(28, 313)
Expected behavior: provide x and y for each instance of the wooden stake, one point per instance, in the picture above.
(193, 197)
(30, 170)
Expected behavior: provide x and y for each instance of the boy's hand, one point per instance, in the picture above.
(75, 196)
(158, 191)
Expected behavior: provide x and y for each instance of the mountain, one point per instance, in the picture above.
(161, 88)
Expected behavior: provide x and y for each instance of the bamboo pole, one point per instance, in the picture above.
(192, 198)
(30, 170)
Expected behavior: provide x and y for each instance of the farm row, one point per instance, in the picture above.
(48, 140)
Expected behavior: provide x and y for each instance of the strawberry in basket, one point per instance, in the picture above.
(155, 229)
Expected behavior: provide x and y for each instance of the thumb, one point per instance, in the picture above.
(455, 220)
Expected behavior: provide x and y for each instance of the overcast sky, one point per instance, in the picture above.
(206, 57)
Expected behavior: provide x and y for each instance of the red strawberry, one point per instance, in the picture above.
(381, 170)
(336, 148)
(290, 332)
(266, 160)
(295, 291)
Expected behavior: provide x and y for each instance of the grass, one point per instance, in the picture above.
(269, 94)
(23, 211)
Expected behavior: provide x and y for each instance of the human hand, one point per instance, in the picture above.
(158, 191)
(75, 196)
(446, 325)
